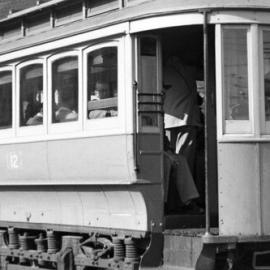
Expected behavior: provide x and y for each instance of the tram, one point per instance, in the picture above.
(82, 182)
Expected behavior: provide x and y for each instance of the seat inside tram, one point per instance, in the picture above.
(184, 138)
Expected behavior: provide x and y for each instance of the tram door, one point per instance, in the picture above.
(149, 114)
(152, 52)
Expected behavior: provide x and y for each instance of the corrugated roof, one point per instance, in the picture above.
(6, 5)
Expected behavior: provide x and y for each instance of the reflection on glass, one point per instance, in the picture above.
(5, 99)
(235, 74)
(148, 81)
(102, 83)
(31, 95)
(266, 58)
(65, 90)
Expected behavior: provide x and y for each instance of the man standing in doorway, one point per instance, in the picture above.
(182, 113)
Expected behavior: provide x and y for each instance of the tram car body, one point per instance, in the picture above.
(84, 187)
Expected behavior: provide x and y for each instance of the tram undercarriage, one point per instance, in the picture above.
(28, 249)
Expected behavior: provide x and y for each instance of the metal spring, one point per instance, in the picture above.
(13, 238)
(41, 247)
(131, 251)
(51, 240)
(41, 243)
(23, 240)
(119, 249)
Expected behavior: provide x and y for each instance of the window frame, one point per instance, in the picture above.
(38, 129)
(265, 125)
(236, 128)
(64, 127)
(112, 124)
(141, 128)
(10, 132)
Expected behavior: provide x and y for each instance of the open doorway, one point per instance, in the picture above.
(184, 125)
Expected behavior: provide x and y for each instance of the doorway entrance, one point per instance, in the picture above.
(185, 125)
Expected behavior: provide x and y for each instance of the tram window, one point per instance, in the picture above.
(266, 58)
(31, 95)
(11, 31)
(37, 23)
(95, 7)
(65, 90)
(5, 99)
(68, 14)
(102, 83)
(149, 81)
(235, 74)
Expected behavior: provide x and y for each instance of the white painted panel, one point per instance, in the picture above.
(93, 207)
(239, 17)
(239, 202)
(25, 206)
(95, 160)
(165, 21)
(121, 28)
(24, 163)
(265, 186)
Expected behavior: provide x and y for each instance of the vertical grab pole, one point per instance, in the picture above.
(207, 96)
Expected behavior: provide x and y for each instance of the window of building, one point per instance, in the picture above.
(65, 90)
(102, 86)
(31, 95)
(5, 99)
(235, 81)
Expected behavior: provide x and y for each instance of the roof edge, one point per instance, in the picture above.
(33, 9)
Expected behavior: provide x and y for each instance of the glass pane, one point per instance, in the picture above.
(65, 90)
(235, 74)
(5, 99)
(37, 23)
(98, 6)
(102, 83)
(68, 14)
(31, 95)
(266, 58)
(11, 31)
(149, 78)
(149, 65)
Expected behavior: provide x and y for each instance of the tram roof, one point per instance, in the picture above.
(149, 8)
(11, 9)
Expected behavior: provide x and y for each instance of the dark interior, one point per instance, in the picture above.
(187, 43)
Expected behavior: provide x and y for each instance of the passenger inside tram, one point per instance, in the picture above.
(65, 110)
(182, 121)
(102, 83)
(34, 110)
(31, 95)
(183, 124)
(65, 90)
(102, 91)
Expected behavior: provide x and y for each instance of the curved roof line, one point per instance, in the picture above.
(32, 9)
(180, 5)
